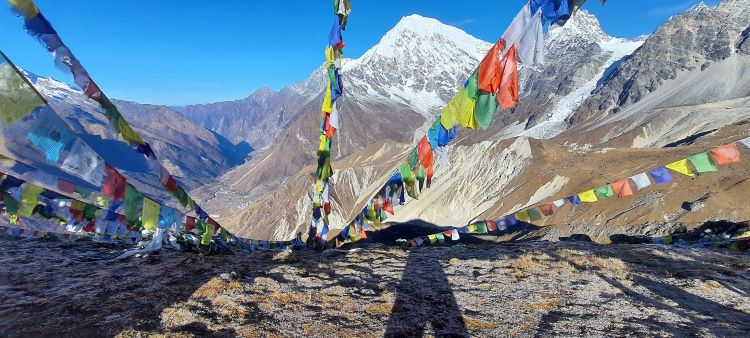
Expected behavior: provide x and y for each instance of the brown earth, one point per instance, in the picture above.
(524, 289)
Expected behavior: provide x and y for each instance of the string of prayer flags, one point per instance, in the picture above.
(41, 29)
(661, 175)
(725, 154)
(494, 83)
(681, 167)
(703, 163)
(329, 124)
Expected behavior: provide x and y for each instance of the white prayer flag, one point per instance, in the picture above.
(641, 180)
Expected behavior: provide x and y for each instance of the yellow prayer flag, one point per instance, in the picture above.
(681, 167)
(471, 228)
(208, 234)
(330, 56)
(588, 196)
(150, 214)
(523, 216)
(322, 145)
(26, 8)
(465, 109)
(29, 199)
(327, 105)
(433, 239)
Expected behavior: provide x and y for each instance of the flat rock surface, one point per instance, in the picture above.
(525, 289)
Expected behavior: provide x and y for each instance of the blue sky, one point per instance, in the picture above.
(177, 52)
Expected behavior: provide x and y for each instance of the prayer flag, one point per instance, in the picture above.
(725, 154)
(433, 239)
(681, 167)
(604, 191)
(510, 220)
(133, 204)
(588, 196)
(490, 70)
(50, 135)
(440, 237)
(17, 98)
(559, 203)
(523, 216)
(29, 199)
(208, 234)
(455, 236)
(703, 163)
(114, 183)
(507, 95)
(481, 227)
(661, 175)
(491, 225)
(641, 181)
(150, 215)
(471, 227)
(622, 188)
(486, 106)
(546, 209)
(574, 200)
(535, 214)
(84, 162)
(745, 141)
(65, 186)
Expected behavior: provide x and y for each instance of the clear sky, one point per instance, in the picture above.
(177, 52)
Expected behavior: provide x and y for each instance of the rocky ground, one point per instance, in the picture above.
(50, 288)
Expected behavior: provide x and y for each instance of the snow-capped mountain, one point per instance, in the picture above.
(393, 92)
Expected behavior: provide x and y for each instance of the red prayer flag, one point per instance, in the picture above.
(66, 186)
(171, 184)
(507, 95)
(413, 243)
(622, 188)
(387, 206)
(362, 234)
(546, 209)
(189, 223)
(90, 227)
(448, 233)
(424, 150)
(725, 154)
(491, 225)
(327, 208)
(114, 184)
(490, 70)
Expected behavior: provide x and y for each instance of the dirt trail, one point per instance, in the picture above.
(529, 289)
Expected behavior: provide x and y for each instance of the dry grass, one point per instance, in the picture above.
(545, 306)
(210, 289)
(711, 284)
(615, 266)
(380, 308)
(478, 324)
(525, 263)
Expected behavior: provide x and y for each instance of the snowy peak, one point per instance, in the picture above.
(422, 32)
(583, 25)
(699, 7)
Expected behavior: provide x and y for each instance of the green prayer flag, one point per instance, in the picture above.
(604, 191)
(406, 173)
(17, 97)
(440, 237)
(89, 211)
(11, 205)
(421, 177)
(133, 204)
(413, 159)
(471, 85)
(702, 163)
(201, 226)
(534, 214)
(181, 196)
(482, 227)
(485, 109)
(411, 189)
(150, 215)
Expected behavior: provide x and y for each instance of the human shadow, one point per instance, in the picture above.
(424, 296)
